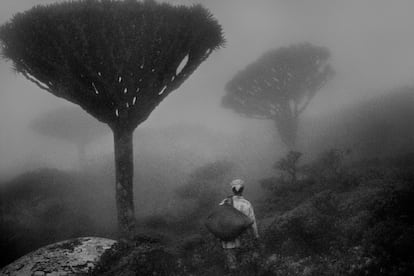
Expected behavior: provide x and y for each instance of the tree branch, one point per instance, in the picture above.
(302, 108)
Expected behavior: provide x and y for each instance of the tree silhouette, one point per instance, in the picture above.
(288, 165)
(72, 125)
(116, 59)
(279, 86)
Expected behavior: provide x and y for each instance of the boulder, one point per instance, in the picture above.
(71, 257)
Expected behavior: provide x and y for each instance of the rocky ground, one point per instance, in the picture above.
(72, 257)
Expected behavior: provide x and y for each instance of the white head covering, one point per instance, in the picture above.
(237, 184)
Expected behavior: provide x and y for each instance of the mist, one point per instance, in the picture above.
(370, 54)
(370, 44)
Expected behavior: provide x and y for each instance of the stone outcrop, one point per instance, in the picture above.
(71, 257)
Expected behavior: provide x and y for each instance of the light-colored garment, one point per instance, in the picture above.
(244, 206)
(231, 258)
(237, 184)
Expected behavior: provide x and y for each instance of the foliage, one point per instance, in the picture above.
(391, 228)
(116, 59)
(280, 85)
(289, 165)
(307, 229)
(286, 183)
(351, 263)
(366, 229)
(141, 256)
(330, 170)
(201, 252)
(44, 207)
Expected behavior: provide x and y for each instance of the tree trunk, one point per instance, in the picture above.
(124, 173)
(81, 156)
(287, 128)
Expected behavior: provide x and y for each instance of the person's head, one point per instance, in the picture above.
(237, 186)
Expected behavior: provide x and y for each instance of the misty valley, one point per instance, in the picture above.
(106, 175)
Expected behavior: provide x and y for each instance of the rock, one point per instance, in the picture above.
(71, 257)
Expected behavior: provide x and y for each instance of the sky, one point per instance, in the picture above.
(371, 43)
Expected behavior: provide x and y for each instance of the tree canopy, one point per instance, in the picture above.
(113, 58)
(116, 59)
(280, 85)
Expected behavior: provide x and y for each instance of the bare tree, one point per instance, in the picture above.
(279, 86)
(116, 59)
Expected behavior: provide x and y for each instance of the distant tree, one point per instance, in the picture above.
(116, 59)
(72, 125)
(279, 86)
(289, 165)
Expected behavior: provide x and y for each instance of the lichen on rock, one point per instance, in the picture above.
(70, 257)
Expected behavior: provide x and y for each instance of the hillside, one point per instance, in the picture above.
(379, 126)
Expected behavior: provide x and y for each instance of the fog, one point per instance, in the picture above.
(365, 111)
(370, 44)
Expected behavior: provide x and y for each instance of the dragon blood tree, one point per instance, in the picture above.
(72, 125)
(116, 59)
(279, 86)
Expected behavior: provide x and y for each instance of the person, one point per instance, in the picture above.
(244, 206)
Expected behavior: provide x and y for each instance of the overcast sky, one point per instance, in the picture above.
(371, 43)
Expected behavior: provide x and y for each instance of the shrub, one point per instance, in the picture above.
(330, 171)
(308, 229)
(142, 256)
(288, 166)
